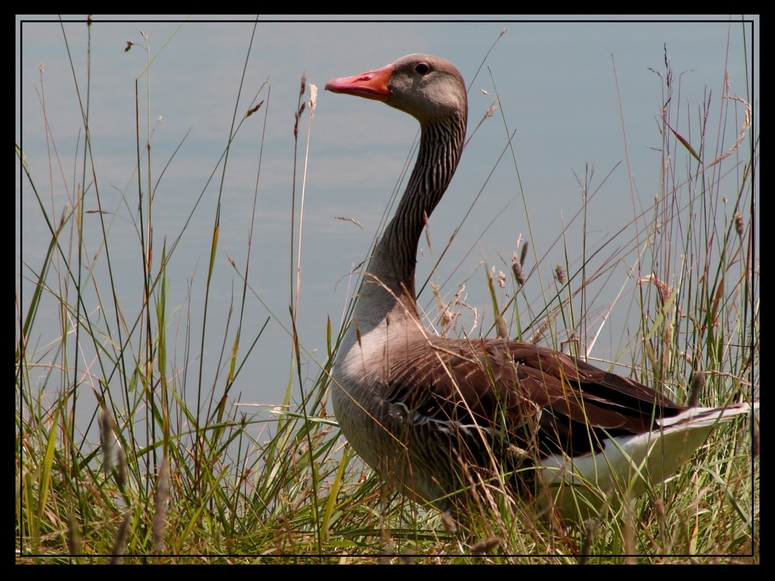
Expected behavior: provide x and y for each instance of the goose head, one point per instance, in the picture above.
(429, 88)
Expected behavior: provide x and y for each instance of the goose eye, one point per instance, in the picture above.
(422, 68)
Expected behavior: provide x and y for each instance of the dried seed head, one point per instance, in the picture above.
(485, 546)
(518, 276)
(117, 553)
(739, 224)
(559, 274)
(122, 468)
(540, 331)
(663, 291)
(500, 324)
(254, 109)
(517, 453)
(523, 254)
(107, 427)
(73, 535)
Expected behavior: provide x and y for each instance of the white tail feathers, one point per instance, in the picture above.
(632, 464)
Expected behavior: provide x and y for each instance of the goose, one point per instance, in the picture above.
(435, 416)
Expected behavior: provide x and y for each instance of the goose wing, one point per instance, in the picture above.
(532, 397)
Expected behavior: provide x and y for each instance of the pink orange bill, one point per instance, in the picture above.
(371, 85)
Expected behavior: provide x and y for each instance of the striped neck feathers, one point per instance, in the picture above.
(390, 275)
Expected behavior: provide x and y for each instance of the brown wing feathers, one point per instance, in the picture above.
(496, 385)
